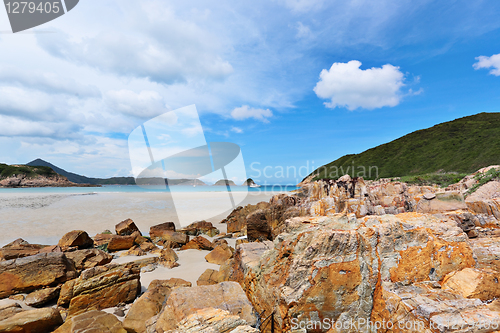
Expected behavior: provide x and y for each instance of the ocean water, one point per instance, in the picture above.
(147, 189)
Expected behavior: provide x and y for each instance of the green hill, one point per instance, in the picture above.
(463, 145)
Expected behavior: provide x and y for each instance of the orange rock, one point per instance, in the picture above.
(39, 320)
(198, 243)
(474, 283)
(219, 255)
(126, 228)
(92, 321)
(209, 277)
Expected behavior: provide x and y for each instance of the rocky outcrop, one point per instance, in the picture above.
(441, 202)
(126, 228)
(34, 272)
(101, 287)
(258, 227)
(150, 303)
(318, 262)
(185, 301)
(483, 284)
(92, 322)
(236, 221)
(39, 320)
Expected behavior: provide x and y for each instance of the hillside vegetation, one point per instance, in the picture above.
(30, 172)
(457, 147)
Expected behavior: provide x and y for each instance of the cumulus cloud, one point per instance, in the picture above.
(157, 45)
(492, 62)
(246, 112)
(346, 85)
(145, 104)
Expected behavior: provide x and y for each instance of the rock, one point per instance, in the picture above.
(429, 196)
(200, 227)
(487, 250)
(212, 320)
(472, 234)
(39, 320)
(88, 258)
(236, 221)
(177, 238)
(185, 301)
(19, 249)
(42, 296)
(337, 260)
(114, 242)
(51, 248)
(444, 202)
(76, 238)
(169, 258)
(157, 231)
(134, 251)
(92, 322)
(18, 297)
(209, 277)
(8, 310)
(119, 313)
(126, 228)
(219, 255)
(148, 247)
(430, 309)
(198, 243)
(101, 287)
(258, 227)
(474, 283)
(150, 303)
(34, 272)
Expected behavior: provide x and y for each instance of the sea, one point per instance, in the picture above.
(148, 189)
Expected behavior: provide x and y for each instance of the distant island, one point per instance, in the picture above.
(224, 182)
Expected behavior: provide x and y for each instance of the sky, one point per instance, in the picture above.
(295, 83)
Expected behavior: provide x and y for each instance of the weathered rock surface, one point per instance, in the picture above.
(198, 243)
(474, 283)
(8, 310)
(168, 258)
(219, 255)
(236, 221)
(92, 322)
(32, 321)
(101, 287)
(19, 249)
(34, 272)
(150, 303)
(257, 226)
(88, 258)
(126, 228)
(76, 238)
(42, 296)
(319, 262)
(185, 301)
(213, 320)
(175, 238)
(208, 277)
(443, 202)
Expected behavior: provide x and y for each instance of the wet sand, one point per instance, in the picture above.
(45, 218)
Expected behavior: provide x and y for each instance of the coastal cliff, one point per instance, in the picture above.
(29, 176)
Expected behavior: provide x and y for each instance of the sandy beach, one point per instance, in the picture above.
(45, 218)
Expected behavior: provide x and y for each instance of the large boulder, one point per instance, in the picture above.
(257, 227)
(200, 227)
(158, 230)
(88, 258)
(34, 272)
(114, 242)
(219, 255)
(19, 249)
(126, 228)
(101, 287)
(76, 238)
(42, 296)
(150, 303)
(325, 261)
(172, 237)
(236, 221)
(92, 322)
(32, 321)
(185, 301)
(213, 320)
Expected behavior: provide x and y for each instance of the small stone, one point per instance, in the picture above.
(429, 196)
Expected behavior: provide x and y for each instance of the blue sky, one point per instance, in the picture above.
(296, 83)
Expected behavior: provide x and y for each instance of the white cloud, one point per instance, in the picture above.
(489, 62)
(346, 85)
(246, 112)
(146, 104)
(236, 130)
(303, 31)
(302, 6)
